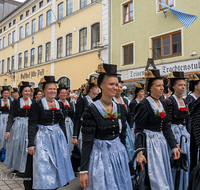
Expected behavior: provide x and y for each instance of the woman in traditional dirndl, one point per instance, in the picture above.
(178, 119)
(194, 87)
(91, 90)
(104, 161)
(139, 96)
(69, 114)
(14, 94)
(130, 139)
(51, 167)
(152, 120)
(17, 130)
(4, 112)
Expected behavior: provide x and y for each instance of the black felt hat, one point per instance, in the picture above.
(47, 79)
(176, 75)
(35, 90)
(4, 88)
(24, 84)
(109, 69)
(152, 73)
(14, 90)
(62, 86)
(120, 80)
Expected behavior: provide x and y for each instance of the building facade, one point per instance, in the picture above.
(54, 37)
(145, 29)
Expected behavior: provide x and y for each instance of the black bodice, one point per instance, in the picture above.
(40, 116)
(95, 126)
(5, 110)
(15, 111)
(145, 118)
(190, 100)
(69, 112)
(131, 118)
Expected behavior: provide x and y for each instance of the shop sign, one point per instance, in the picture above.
(185, 66)
(32, 74)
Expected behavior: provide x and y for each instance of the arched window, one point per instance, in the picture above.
(64, 80)
(95, 37)
(32, 84)
(60, 11)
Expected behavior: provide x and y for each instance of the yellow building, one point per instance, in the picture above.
(54, 37)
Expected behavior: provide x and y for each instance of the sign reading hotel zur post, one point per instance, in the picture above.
(32, 74)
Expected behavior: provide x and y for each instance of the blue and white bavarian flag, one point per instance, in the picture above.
(184, 18)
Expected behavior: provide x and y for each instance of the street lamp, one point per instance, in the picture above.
(10, 74)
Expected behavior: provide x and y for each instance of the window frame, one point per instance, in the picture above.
(20, 37)
(69, 7)
(13, 36)
(2, 66)
(32, 57)
(84, 3)
(60, 4)
(27, 24)
(83, 40)
(8, 64)
(48, 23)
(9, 25)
(38, 57)
(171, 45)
(21, 17)
(161, 9)
(14, 21)
(27, 13)
(20, 61)
(125, 46)
(34, 20)
(97, 36)
(26, 59)
(69, 43)
(59, 47)
(0, 44)
(46, 54)
(33, 8)
(4, 42)
(9, 39)
(12, 63)
(41, 2)
(124, 13)
(39, 22)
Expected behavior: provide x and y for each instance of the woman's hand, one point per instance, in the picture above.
(7, 136)
(140, 159)
(74, 141)
(31, 150)
(179, 148)
(176, 153)
(84, 180)
(132, 131)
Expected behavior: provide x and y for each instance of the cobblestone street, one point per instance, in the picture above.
(10, 181)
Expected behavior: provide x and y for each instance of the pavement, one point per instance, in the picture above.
(8, 181)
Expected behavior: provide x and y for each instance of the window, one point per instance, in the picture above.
(27, 13)
(33, 26)
(48, 17)
(21, 17)
(60, 11)
(21, 32)
(92, 1)
(95, 41)
(128, 54)
(69, 7)
(69, 44)
(40, 4)
(27, 29)
(64, 80)
(48, 1)
(4, 42)
(8, 64)
(59, 47)
(83, 3)
(13, 63)
(0, 44)
(13, 36)
(9, 39)
(167, 2)
(128, 12)
(2, 67)
(33, 9)
(32, 57)
(83, 39)
(4, 28)
(39, 54)
(20, 61)
(14, 22)
(9, 24)
(0, 31)
(167, 45)
(48, 51)
(40, 22)
(25, 59)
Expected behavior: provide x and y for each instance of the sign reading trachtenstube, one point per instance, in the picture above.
(32, 74)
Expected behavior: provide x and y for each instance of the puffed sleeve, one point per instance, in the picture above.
(77, 116)
(167, 132)
(32, 123)
(62, 121)
(131, 115)
(11, 116)
(88, 133)
(140, 123)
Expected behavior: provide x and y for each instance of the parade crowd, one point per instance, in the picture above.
(49, 134)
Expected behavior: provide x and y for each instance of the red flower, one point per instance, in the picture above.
(26, 107)
(52, 109)
(183, 109)
(111, 116)
(124, 106)
(66, 106)
(5, 106)
(162, 115)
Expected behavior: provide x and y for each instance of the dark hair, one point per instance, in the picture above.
(192, 85)
(171, 83)
(36, 92)
(136, 90)
(21, 90)
(148, 84)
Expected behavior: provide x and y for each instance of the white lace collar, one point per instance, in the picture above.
(45, 105)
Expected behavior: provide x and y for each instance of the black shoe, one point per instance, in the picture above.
(19, 174)
(14, 171)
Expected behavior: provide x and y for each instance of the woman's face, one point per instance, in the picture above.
(157, 88)
(140, 94)
(50, 90)
(119, 90)
(63, 94)
(26, 92)
(197, 87)
(179, 86)
(109, 86)
(38, 96)
(94, 90)
(5, 94)
(15, 95)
